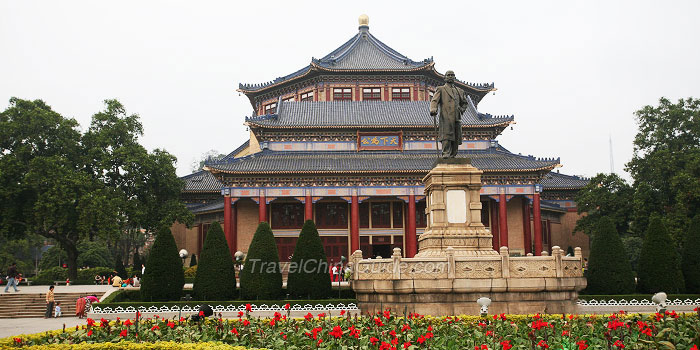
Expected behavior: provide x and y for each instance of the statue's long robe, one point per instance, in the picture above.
(453, 102)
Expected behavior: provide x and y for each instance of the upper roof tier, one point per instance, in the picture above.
(362, 53)
(365, 114)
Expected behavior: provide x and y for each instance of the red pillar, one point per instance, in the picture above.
(494, 226)
(410, 239)
(233, 242)
(227, 219)
(308, 208)
(537, 220)
(354, 224)
(527, 239)
(503, 219)
(262, 208)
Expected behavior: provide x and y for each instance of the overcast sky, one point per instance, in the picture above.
(572, 72)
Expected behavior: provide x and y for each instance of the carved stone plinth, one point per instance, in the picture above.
(453, 208)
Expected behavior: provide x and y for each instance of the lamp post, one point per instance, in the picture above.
(183, 255)
(340, 269)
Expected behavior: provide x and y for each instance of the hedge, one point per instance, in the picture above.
(659, 263)
(261, 277)
(609, 269)
(309, 277)
(691, 257)
(226, 303)
(164, 278)
(215, 277)
(61, 274)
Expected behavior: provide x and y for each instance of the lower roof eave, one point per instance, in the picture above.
(228, 172)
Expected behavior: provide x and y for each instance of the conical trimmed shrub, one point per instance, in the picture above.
(137, 263)
(164, 278)
(308, 270)
(691, 257)
(216, 272)
(193, 259)
(121, 270)
(261, 277)
(609, 269)
(659, 263)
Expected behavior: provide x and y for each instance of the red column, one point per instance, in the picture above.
(354, 224)
(233, 243)
(537, 220)
(227, 219)
(494, 226)
(262, 208)
(308, 208)
(527, 239)
(503, 219)
(410, 238)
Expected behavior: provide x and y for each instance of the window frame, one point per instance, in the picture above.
(342, 94)
(371, 94)
(400, 95)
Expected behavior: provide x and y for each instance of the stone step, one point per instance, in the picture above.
(34, 305)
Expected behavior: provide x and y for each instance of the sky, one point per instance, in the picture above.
(572, 72)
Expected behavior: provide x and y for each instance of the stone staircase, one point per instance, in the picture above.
(15, 305)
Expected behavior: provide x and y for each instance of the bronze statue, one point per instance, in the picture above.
(452, 102)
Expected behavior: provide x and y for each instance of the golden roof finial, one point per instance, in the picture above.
(364, 20)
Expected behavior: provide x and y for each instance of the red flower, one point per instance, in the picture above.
(337, 332)
(240, 314)
(272, 322)
(342, 312)
(539, 324)
(284, 336)
(406, 345)
(489, 333)
(321, 315)
(354, 332)
(582, 345)
(248, 307)
(373, 340)
(246, 323)
(564, 333)
(543, 344)
(319, 342)
(123, 333)
(430, 328)
(201, 313)
(428, 335)
(647, 331)
(17, 340)
(286, 306)
(316, 330)
(155, 327)
(615, 324)
(378, 321)
(234, 331)
(405, 327)
(506, 345)
(128, 323)
(421, 340)
(619, 344)
(90, 322)
(387, 314)
(695, 347)
(89, 333)
(309, 317)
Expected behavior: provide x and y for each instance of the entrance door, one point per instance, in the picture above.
(383, 250)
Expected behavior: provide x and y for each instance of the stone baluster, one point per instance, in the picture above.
(451, 266)
(505, 262)
(355, 258)
(396, 264)
(557, 253)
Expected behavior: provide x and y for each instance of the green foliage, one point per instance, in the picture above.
(103, 182)
(261, 277)
(21, 251)
(193, 260)
(52, 257)
(659, 263)
(308, 272)
(137, 263)
(93, 253)
(216, 273)
(163, 279)
(57, 273)
(691, 257)
(605, 196)
(633, 247)
(666, 164)
(609, 269)
(121, 270)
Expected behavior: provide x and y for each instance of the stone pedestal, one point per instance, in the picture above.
(453, 208)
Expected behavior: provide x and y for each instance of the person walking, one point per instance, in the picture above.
(49, 303)
(12, 277)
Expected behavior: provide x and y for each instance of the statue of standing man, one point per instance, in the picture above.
(452, 102)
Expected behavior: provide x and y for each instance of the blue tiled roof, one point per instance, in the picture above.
(201, 181)
(556, 180)
(363, 52)
(552, 206)
(275, 162)
(216, 205)
(365, 114)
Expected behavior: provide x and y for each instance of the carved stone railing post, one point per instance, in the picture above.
(557, 253)
(396, 264)
(355, 258)
(451, 265)
(505, 262)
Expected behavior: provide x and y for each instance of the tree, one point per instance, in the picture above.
(102, 183)
(308, 271)
(193, 260)
(605, 195)
(691, 257)
(609, 269)
(207, 157)
(261, 277)
(137, 262)
(666, 163)
(216, 273)
(659, 263)
(121, 270)
(164, 278)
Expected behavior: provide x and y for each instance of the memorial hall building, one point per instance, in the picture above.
(346, 141)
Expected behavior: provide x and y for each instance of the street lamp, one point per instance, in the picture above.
(183, 255)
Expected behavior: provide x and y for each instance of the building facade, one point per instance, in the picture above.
(346, 141)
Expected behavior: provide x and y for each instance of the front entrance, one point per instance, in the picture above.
(383, 250)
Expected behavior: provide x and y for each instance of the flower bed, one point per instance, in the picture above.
(386, 331)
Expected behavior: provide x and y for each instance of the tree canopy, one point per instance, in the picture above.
(64, 185)
(605, 196)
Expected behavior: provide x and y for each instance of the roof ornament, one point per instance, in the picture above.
(364, 22)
